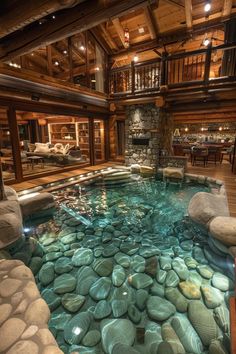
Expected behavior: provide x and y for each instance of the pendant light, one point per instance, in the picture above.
(126, 37)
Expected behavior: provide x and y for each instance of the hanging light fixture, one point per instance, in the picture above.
(126, 37)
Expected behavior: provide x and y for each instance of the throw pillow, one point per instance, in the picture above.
(66, 149)
(42, 148)
(58, 148)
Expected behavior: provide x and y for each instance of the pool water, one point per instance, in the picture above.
(125, 271)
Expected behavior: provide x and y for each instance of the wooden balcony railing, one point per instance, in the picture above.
(199, 67)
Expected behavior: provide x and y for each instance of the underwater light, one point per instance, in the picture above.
(125, 293)
(76, 330)
(26, 229)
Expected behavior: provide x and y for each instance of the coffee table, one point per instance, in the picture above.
(35, 160)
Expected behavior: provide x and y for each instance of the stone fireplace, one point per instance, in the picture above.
(142, 135)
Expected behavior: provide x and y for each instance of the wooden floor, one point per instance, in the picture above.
(220, 171)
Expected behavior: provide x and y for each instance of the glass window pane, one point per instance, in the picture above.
(6, 154)
(51, 142)
(78, 49)
(99, 141)
(96, 66)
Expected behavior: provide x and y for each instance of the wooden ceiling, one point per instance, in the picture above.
(172, 25)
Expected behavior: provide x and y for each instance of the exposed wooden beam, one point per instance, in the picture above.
(26, 12)
(175, 3)
(227, 8)
(49, 59)
(119, 29)
(70, 21)
(151, 22)
(99, 38)
(188, 14)
(108, 37)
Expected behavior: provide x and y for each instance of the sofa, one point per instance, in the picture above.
(57, 154)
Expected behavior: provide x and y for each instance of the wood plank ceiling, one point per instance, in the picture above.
(178, 24)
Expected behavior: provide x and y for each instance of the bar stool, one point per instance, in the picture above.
(199, 154)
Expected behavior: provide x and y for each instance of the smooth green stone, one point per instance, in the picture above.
(141, 298)
(77, 327)
(98, 251)
(129, 248)
(85, 278)
(140, 280)
(52, 248)
(80, 235)
(51, 299)
(46, 273)
(198, 254)
(75, 245)
(217, 347)
(6, 255)
(148, 251)
(123, 292)
(220, 246)
(69, 253)
(110, 250)
(100, 289)
(203, 322)
(138, 264)
(92, 338)
(159, 309)
(177, 299)
(190, 290)
(52, 256)
(116, 331)
(161, 276)
(103, 267)
(35, 264)
(180, 268)
(221, 315)
(48, 241)
(187, 245)
(107, 237)
(66, 231)
(72, 302)
(172, 279)
(121, 348)
(122, 259)
(152, 338)
(60, 321)
(109, 228)
(165, 262)
(63, 265)
(118, 275)
(158, 289)
(187, 334)
(220, 281)
(205, 271)
(212, 296)
(66, 240)
(195, 278)
(170, 337)
(82, 256)
(65, 283)
(119, 307)
(134, 314)
(80, 349)
(190, 262)
(102, 310)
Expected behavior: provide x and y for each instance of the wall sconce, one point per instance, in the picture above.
(177, 132)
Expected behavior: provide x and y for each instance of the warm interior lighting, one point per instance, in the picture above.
(141, 30)
(64, 51)
(56, 63)
(207, 7)
(126, 37)
(202, 129)
(220, 128)
(97, 68)
(53, 17)
(206, 42)
(82, 48)
(135, 58)
(186, 129)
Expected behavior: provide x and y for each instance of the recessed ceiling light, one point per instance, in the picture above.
(64, 51)
(141, 30)
(97, 68)
(82, 47)
(56, 63)
(206, 42)
(135, 58)
(207, 7)
(53, 17)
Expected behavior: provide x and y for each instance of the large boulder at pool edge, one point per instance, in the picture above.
(203, 207)
(224, 229)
